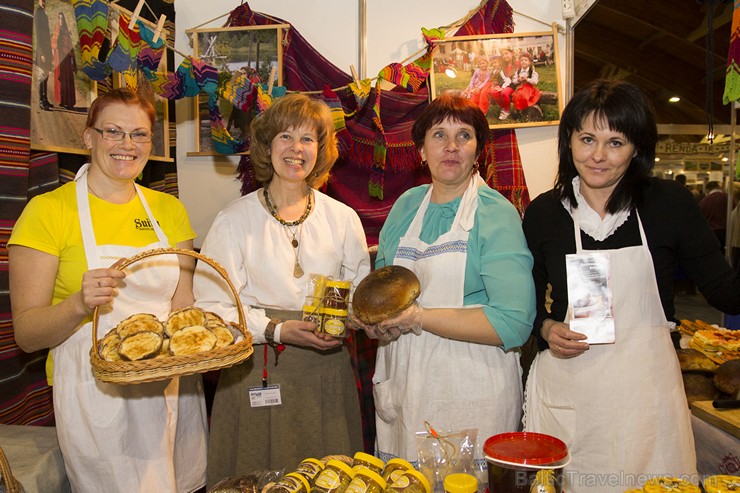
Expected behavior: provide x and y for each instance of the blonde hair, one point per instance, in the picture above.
(293, 111)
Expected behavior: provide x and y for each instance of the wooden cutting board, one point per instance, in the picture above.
(725, 419)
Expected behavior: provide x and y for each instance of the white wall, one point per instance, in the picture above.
(332, 27)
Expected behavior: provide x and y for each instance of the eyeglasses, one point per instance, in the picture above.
(138, 136)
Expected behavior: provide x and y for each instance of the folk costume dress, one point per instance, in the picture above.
(467, 253)
(320, 411)
(620, 408)
(144, 437)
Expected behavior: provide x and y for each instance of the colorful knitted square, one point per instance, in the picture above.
(92, 26)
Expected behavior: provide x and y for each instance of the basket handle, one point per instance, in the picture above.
(6, 475)
(178, 251)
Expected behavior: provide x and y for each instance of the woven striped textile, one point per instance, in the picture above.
(24, 396)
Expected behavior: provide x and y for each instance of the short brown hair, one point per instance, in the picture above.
(293, 111)
(123, 95)
(455, 107)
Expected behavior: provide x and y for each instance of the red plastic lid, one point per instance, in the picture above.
(525, 447)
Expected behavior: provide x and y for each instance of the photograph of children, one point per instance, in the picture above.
(513, 79)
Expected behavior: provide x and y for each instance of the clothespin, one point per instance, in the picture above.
(158, 29)
(270, 81)
(354, 75)
(136, 13)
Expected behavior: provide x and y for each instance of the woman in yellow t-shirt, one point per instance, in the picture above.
(61, 253)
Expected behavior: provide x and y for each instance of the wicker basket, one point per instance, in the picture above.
(7, 482)
(151, 370)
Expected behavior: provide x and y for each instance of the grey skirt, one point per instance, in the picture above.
(319, 414)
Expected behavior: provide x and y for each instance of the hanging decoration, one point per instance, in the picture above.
(732, 78)
(92, 26)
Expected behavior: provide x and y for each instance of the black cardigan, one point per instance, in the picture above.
(677, 234)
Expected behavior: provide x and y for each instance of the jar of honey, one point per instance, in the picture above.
(394, 468)
(373, 463)
(411, 481)
(310, 468)
(291, 483)
(335, 478)
(334, 321)
(336, 294)
(366, 481)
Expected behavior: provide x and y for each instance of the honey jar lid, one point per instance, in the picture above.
(419, 477)
(460, 483)
(301, 479)
(336, 313)
(341, 466)
(370, 459)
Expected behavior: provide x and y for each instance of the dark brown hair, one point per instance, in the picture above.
(455, 107)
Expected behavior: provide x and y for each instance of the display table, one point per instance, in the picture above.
(717, 447)
(34, 457)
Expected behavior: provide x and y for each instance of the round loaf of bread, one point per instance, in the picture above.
(385, 293)
(727, 378)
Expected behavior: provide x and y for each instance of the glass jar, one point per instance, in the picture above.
(291, 483)
(310, 468)
(370, 461)
(312, 313)
(336, 294)
(411, 481)
(366, 480)
(394, 468)
(335, 478)
(334, 321)
(460, 483)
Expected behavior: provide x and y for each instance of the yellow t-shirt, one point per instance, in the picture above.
(50, 223)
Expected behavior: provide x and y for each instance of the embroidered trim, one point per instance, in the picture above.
(459, 246)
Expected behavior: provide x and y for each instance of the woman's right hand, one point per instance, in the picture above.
(99, 286)
(299, 333)
(563, 342)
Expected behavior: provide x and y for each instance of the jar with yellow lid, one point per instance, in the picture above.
(336, 294)
(721, 484)
(291, 483)
(370, 461)
(460, 483)
(665, 484)
(366, 481)
(334, 321)
(335, 478)
(411, 481)
(312, 313)
(394, 468)
(310, 468)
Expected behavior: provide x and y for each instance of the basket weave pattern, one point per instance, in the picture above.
(6, 476)
(151, 370)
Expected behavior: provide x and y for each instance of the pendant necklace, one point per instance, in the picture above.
(296, 233)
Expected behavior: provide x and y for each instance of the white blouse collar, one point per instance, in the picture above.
(589, 220)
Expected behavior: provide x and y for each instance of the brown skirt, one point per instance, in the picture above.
(319, 414)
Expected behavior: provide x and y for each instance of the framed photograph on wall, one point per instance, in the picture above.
(254, 50)
(61, 93)
(513, 78)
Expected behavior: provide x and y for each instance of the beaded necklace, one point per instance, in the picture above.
(289, 225)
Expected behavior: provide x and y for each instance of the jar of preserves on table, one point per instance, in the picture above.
(366, 481)
(291, 483)
(370, 461)
(394, 468)
(310, 468)
(335, 478)
(411, 481)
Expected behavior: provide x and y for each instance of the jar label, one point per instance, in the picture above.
(328, 479)
(308, 469)
(291, 485)
(357, 486)
(394, 475)
(401, 482)
(334, 327)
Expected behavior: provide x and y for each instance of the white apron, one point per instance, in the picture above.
(452, 384)
(147, 437)
(620, 408)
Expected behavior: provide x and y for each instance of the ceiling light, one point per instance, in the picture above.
(724, 159)
(674, 99)
(657, 159)
(451, 72)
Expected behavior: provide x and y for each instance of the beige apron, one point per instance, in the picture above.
(454, 385)
(620, 408)
(152, 435)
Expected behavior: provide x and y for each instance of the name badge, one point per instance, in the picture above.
(590, 299)
(265, 396)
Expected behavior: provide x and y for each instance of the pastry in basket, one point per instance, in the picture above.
(108, 346)
(185, 317)
(666, 484)
(140, 322)
(164, 351)
(214, 320)
(224, 335)
(721, 484)
(142, 345)
(191, 340)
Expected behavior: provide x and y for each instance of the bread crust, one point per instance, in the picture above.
(385, 293)
(191, 340)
